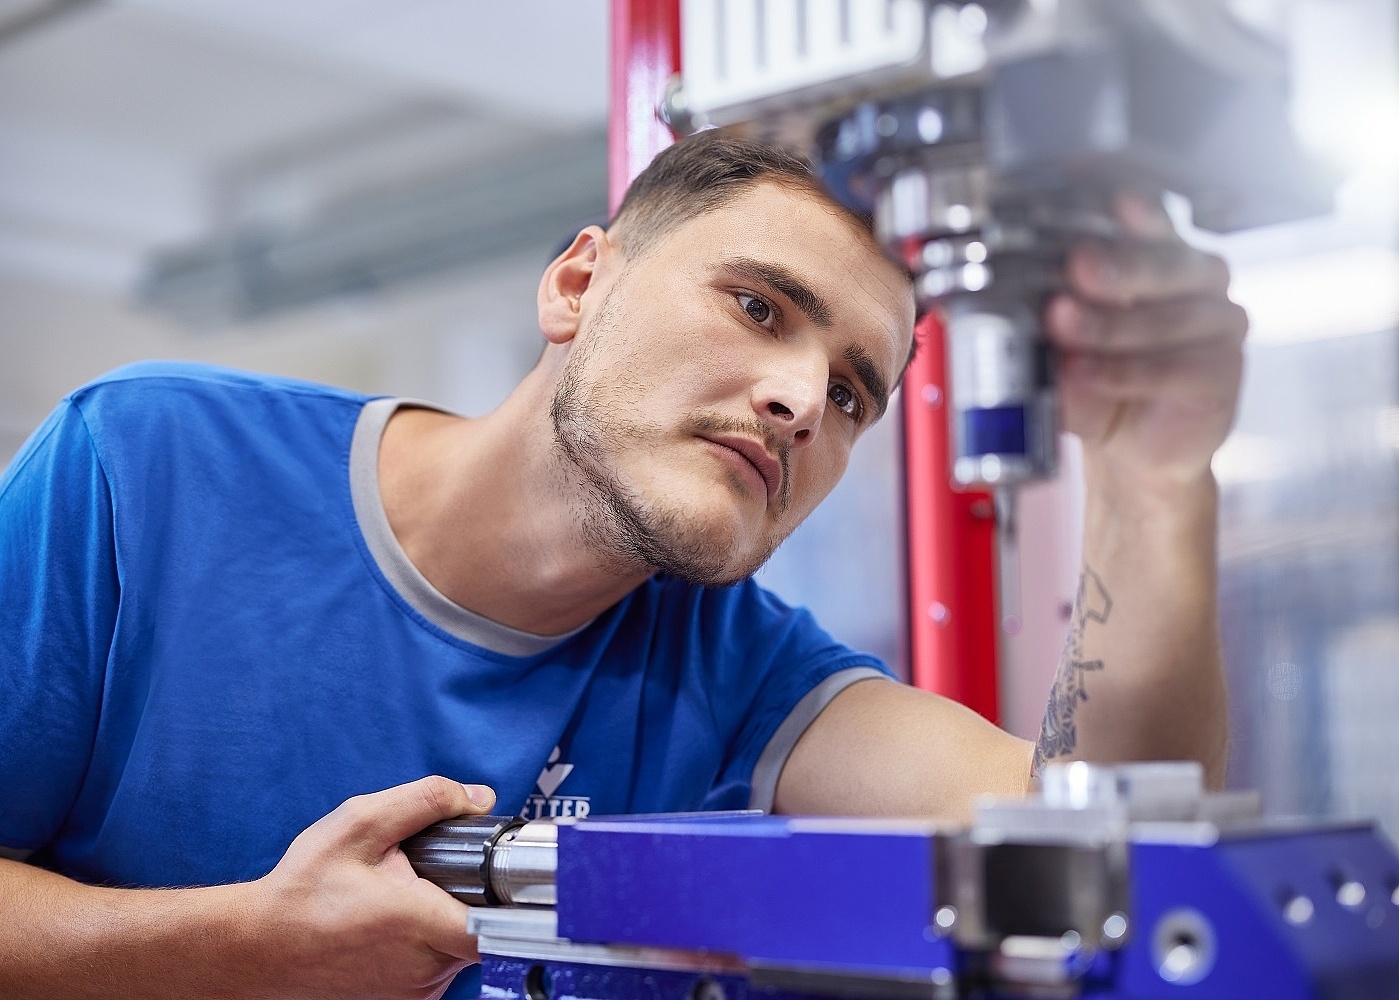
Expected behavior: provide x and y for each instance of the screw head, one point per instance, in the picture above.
(1115, 928)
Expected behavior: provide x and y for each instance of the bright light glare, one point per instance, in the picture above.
(1387, 427)
(1345, 82)
(1332, 294)
(1248, 458)
(1355, 135)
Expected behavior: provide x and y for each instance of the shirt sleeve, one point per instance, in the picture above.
(768, 768)
(780, 668)
(58, 601)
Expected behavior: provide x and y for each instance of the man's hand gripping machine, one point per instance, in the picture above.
(1129, 883)
(984, 137)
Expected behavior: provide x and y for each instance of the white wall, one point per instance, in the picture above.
(463, 341)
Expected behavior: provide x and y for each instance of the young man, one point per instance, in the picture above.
(232, 602)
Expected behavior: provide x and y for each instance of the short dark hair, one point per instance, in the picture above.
(704, 172)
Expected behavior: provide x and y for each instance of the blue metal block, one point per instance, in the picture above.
(1242, 888)
(775, 891)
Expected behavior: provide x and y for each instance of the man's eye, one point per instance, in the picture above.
(845, 400)
(758, 310)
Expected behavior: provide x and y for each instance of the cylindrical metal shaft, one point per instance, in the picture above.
(524, 864)
(489, 860)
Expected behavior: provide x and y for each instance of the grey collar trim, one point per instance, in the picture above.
(394, 563)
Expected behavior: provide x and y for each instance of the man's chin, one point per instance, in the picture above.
(707, 539)
(711, 564)
(704, 576)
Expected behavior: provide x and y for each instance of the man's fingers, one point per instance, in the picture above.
(1126, 272)
(381, 819)
(1195, 373)
(366, 924)
(446, 916)
(1073, 324)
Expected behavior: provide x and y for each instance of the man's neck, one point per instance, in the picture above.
(483, 511)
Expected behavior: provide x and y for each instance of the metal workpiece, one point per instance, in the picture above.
(524, 864)
(1039, 880)
(1088, 803)
(488, 860)
(455, 854)
(1151, 790)
(1057, 867)
(1002, 893)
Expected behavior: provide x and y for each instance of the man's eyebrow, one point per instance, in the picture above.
(777, 277)
(868, 373)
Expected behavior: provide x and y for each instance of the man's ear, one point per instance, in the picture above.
(565, 282)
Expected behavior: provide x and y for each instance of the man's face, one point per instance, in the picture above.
(718, 381)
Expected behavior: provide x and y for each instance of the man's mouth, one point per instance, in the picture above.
(768, 468)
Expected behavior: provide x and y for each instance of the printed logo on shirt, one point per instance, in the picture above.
(546, 804)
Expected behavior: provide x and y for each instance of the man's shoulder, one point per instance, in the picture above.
(149, 414)
(152, 380)
(177, 397)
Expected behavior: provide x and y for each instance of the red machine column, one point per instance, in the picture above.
(645, 54)
(951, 546)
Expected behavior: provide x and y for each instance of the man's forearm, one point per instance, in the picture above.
(343, 914)
(1141, 676)
(59, 938)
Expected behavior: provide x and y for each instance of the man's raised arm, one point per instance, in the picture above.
(1151, 358)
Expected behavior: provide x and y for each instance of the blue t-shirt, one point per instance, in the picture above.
(209, 638)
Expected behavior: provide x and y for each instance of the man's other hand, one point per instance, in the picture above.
(1150, 349)
(348, 915)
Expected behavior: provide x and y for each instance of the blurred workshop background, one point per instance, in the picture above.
(364, 192)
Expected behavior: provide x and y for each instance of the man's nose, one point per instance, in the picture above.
(791, 399)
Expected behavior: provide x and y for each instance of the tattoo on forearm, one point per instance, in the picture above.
(1059, 734)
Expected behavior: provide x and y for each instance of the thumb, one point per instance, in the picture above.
(1143, 215)
(380, 820)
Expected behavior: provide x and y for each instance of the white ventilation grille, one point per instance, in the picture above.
(738, 54)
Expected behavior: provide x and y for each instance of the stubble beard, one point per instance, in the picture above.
(617, 523)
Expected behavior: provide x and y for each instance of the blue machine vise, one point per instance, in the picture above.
(1128, 883)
